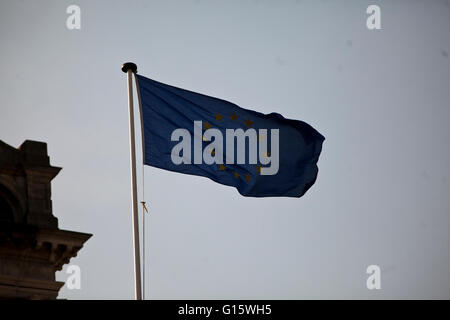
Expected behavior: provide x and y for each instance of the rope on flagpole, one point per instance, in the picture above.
(144, 210)
(144, 207)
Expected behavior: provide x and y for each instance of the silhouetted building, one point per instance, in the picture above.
(32, 248)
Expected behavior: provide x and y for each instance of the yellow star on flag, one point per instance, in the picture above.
(247, 177)
(222, 167)
(219, 117)
(248, 123)
(207, 125)
(236, 175)
(233, 116)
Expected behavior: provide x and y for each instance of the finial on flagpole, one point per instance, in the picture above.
(129, 66)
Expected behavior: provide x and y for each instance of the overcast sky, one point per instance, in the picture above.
(380, 97)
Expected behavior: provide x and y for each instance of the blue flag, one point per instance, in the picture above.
(262, 155)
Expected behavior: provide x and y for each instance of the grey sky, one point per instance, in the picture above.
(381, 98)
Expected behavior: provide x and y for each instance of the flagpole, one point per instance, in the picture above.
(129, 68)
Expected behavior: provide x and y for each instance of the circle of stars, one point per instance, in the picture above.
(249, 124)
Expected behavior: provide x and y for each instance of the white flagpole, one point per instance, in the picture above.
(130, 68)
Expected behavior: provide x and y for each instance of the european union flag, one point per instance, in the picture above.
(262, 155)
